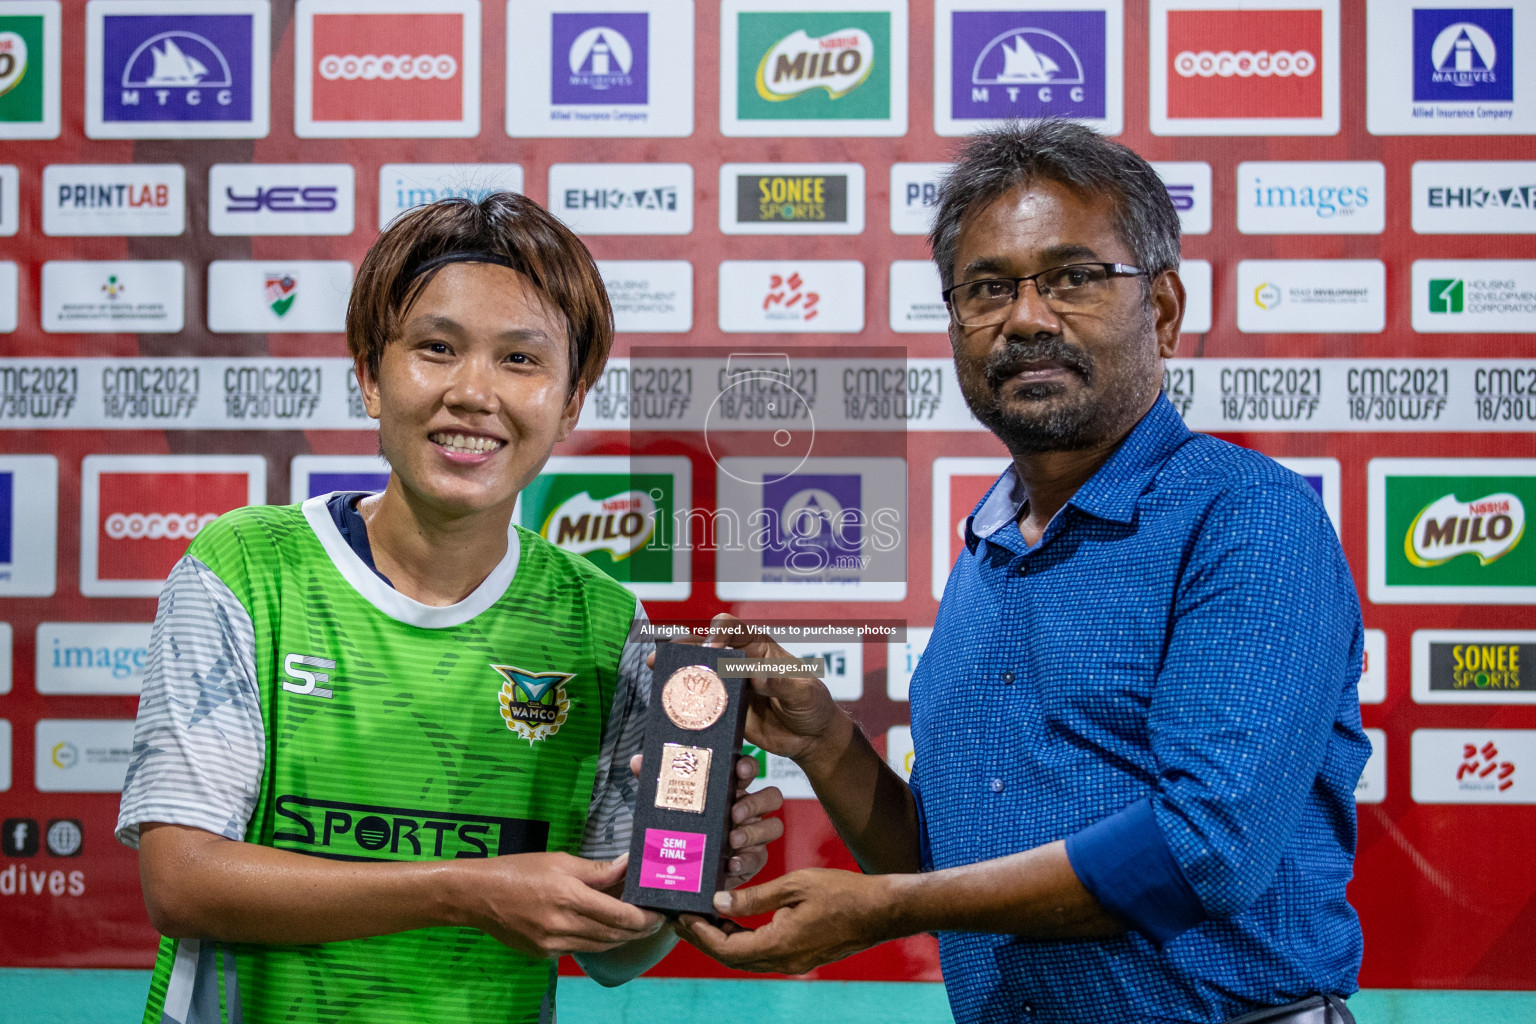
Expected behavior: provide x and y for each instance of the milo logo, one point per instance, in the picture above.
(838, 62)
(1488, 527)
(620, 524)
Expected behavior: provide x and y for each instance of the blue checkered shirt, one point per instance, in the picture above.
(1167, 680)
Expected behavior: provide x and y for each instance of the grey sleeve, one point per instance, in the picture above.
(612, 812)
(199, 744)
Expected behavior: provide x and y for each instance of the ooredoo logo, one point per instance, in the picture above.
(1245, 63)
(387, 70)
(139, 513)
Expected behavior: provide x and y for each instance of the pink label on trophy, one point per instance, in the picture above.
(672, 860)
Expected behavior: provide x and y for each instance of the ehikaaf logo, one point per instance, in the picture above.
(387, 70)
(139, 513)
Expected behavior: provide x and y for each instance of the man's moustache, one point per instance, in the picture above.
(1006, 363)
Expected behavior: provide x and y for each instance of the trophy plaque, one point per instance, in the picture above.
(680, 845)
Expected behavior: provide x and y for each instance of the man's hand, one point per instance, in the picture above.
(820, 915)
(548, 904)
(751, 828)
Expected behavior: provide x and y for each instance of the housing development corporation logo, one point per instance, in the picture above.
(1028, 63)
(200, 72)
(387, 70)
(1245, 71)
(1451, 531)
(1463, 55)
(839, 70)
(600, 58)
(1494, 296)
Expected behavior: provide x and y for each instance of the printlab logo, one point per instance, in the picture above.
(281, 290)
(599, 58)
(533, 704)
(201, 72)
(1463, 56)
(114, 199)
(814, 524)
(1035, 64)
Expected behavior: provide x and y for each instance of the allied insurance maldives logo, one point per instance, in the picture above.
(1452, 531)
(376, 70)
(1463, 56)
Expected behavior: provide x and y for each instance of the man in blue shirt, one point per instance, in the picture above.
(1136, 726)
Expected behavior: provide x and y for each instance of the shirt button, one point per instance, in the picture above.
(1027, 1008)
(997, 785)
(1007, 677)
(1023, 569)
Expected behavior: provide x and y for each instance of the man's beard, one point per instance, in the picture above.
(1049, 421)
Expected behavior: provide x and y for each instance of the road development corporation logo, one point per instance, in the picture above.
(81, 755)
(828, 529)
(29, 70)
(621, 514)
(625, 69)
(959, 484)
(1311, 296)
(1435, 67)
(113, 297)
(198, 70)
(387, 69)
(1474, 296)
(533, 704)
(29, 503)
(1311, 198)
(1451, 531)
(623, 199)
(1010, 60)
(1490, 197)
(792, 296)
(791, 199)
(406, 186)
(280, 199)
(1474, 666)
(114, 199)
(788, 68)
(1474, 766)
(312, 475)
(1457, 54)
(1189, 188)
(1256, 69)
(91, 658)
(278, 297)
(138, 513)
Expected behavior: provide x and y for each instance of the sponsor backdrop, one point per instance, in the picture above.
(186, 189)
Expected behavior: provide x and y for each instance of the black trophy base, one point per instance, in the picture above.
(680, 845)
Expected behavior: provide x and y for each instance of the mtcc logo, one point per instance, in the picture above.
(1028, 56)
(178, 60)
(137, 526)
(1245, 64)
(402, 66)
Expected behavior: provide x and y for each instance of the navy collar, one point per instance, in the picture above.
(1113, 490)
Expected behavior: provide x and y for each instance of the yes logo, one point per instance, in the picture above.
(804, 70)
(533, 704)
(1450, 531)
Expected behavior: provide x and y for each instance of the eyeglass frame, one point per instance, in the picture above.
(1112, 270)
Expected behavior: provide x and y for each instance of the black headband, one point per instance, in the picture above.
(458, 257)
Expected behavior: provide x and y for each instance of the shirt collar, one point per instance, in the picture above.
(1110, 493)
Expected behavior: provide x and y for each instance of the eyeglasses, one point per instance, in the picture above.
(1075, 286)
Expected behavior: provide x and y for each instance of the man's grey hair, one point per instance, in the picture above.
(1017, 153)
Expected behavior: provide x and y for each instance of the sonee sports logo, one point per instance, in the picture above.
(533, 704)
